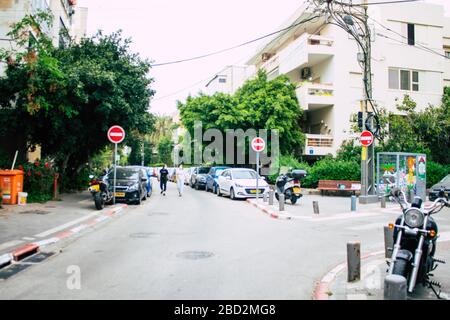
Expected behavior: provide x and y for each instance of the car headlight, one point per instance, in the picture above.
(414, 218)
(134, 187)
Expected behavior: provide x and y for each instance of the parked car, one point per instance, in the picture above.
(241, 183)
(188, 175)
(198, 177)
(172, 175)
(212, 177)
(443, 184)
(148, 172)
(131, 184)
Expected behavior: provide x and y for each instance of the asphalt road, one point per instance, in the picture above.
(196, 247)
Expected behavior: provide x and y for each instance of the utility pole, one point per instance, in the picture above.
(143, 152)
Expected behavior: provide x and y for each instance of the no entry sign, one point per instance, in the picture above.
(258, 145)
(366, 138)
(116, 134)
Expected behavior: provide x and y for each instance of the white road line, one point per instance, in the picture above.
(28, 238)
(10, 244)
(64, 226)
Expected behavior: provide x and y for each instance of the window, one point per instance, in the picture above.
(415, 81)
(393, 79)
(411, 34)
(447, 54)
(222, 80)
(407, 80)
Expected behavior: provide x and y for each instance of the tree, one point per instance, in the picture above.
(165, 148)
(67, 98)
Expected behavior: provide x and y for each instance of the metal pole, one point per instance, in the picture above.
(271, 196)
(395, 287)
(115, 173)
(15, 159)
(383, 201)
(281, 202)
(316, 207)
(257, 176)
(354, 261)
(143, 153)
(353, 206)
(388, 242)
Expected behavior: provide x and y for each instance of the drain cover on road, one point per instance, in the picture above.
(195, 255)
(14, 269)
(142, 235)
(38, 258)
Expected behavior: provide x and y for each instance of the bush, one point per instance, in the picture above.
(38, 181)
(332, 169)
(290, 162)
(436, 172)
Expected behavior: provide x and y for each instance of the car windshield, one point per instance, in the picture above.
(125, 174)
(219, 172)
(446, 179)
(203, 170)
(244, 174)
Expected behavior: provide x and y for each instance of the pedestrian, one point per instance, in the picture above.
(163, 176)
(180, 175)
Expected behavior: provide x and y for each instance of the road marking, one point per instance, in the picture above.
(10, 244)
(64, 226)
(28, 238)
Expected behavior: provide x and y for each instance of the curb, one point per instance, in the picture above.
(321, 289)
(31, 248)
(272, 214)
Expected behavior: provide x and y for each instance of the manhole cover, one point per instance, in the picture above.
(39, 212)
(195, 255)
(142, 235)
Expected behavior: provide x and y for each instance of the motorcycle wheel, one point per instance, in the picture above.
(400, 268)
(98, 200)
(294, 199)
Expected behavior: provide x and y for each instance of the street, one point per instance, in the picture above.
(197, 247)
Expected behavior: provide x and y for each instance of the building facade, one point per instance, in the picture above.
(228, 80)
(409, 49)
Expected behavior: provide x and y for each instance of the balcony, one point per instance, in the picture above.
(307, 49)
(313, 96)
(318, 145)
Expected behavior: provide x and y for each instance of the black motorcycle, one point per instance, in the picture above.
(100, 192)
(289, 184)
(415, 236)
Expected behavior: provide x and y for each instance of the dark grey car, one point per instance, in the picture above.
(443, 184)
(198, 177)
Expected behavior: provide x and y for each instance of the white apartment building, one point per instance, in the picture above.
(228, 80)
(322, 60)
(69, 20)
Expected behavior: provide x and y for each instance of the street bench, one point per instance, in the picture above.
(339, 185)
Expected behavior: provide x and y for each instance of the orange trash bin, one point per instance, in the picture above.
(11, 183)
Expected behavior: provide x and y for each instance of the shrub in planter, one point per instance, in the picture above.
(38, 181)
(436, 172)
(332, 169)
(290, 162)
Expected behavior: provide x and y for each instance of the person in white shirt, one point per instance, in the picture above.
(180, 175)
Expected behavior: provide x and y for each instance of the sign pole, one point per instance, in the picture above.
(115, 173)
(257, 176)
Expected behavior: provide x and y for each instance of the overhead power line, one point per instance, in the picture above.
(236, 46)
(386, 2)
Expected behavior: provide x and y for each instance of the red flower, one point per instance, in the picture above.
(47, 165)
(29, 173)
(36, 164)
(38, 173)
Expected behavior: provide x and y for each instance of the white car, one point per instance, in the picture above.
(188, 174)
(240, 183)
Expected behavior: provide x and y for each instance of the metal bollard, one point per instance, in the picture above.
(265, 197)
(383, 201)
(395, 287)
(354, 261)
(271, 196)
(316, 207)
(353, 204)
(281, 202)
(388, 242)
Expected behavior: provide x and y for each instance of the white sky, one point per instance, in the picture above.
(167, 30)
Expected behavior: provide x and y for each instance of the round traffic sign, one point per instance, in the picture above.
(116, 134)
(366, 138)
(258, 145)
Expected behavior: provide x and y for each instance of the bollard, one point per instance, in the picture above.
(395, 287)
(388, 242)
(281, 202)
(354, 261)
(265, 197)
(411, 195)
(383, 201)
(271, 196)
(353, 204)
(316, 207)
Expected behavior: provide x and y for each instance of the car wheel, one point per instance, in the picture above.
(219, 194)
(197, 187)
(232, 195)
(139, 200)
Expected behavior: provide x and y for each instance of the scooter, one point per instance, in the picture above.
(289, 185)
(100, 192)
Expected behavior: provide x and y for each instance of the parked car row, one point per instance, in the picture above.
(225, 181)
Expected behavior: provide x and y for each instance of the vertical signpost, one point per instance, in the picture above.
(258, 145)
(116, 135)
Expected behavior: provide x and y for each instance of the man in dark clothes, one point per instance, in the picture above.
(163, 177)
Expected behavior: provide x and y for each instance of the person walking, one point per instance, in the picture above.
(180, 175)
(163, 177)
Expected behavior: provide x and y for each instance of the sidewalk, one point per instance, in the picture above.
(334, 285)
(34, 222)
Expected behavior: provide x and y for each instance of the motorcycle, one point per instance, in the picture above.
(289, 185)
(415, 237)
(100, 192)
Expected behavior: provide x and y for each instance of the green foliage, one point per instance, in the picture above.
(289, 161)
(436, 172)
(165, 148)
(332, 169)
(38, 181)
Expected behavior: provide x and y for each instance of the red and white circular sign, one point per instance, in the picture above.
(366, 138)
(258, 145)
(116, 134)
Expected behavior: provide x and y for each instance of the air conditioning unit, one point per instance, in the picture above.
(306, 73)
(266, 56)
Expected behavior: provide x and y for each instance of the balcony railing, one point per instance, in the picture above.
(310, 94)
(319, 145)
